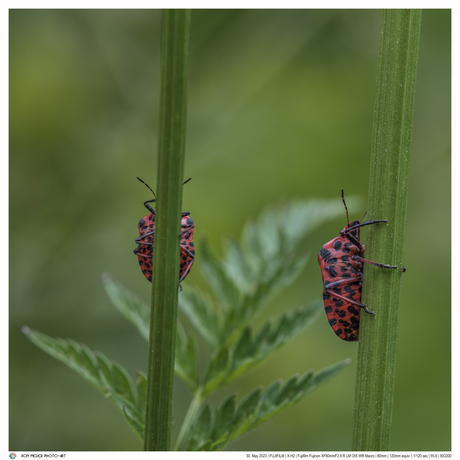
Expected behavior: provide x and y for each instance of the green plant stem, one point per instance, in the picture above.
(189, 417)
(392, 132)
(173, 117)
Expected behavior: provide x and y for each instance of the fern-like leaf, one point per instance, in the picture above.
(186, 359)
(108, 377)
(230, 421)
(137, 312)
(228, 363)
(133, 309)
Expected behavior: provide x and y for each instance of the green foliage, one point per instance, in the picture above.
(133, 309)
(107, 376)
(186, 366)
(214, 429)
(269, 257)
(228, 363)
(137, 312)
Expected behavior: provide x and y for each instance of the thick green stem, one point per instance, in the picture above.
(165, 283)
(392, 132)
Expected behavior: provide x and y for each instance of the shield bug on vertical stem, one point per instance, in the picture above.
(341, 261)
(145, 241)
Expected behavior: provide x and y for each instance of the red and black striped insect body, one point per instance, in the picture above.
(144, 250)
(341, 261)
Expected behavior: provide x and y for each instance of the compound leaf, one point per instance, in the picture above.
(206, 317)
(227, 364)
(128, 304)
(230, 421)
(222, 285)
(186, 358)
(201, 429)
(108, 377)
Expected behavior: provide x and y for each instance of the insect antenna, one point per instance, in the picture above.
(149, 186)
(363, 216)
(345, 204)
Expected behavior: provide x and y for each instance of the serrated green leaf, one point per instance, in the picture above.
(247, 353)
(109, 378)
(268, 257)
(105, 368)
(243, 349)
(122, 402)
(223, 287)
(72, 352)
(248, 405)
(246, 414)
(305, 381)
(252, 245)
(201, 429)
(259, 406)
(237, 266)
(122, 383)
(253, 271)
(128, 304)
(141, 389)
(328, 374)
(224, 417)
(51, 346)
(297, 218)
(263, 337)
(287, 390)
(217, 370)
(186, 360)
(139, 314)
(270, 394)
(272, 277)
(207, 318)
(136, 423)
(192, 361)
(88, 363)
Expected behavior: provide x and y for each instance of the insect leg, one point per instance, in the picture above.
(142, 255)
(360, 259)
(356, 279)
(139, 239)
(346, 299)
(149, 207)
(346, 232)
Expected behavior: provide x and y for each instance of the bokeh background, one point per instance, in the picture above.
(280, 106)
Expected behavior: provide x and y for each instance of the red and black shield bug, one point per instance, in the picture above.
(341, 261)
(144, 251)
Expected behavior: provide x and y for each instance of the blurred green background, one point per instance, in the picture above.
(280, 106)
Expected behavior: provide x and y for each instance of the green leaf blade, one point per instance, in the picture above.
(109, 378)
(258, 406)
(202, 314)
(247, 352)
(215, 274)
(128, 304)
(201, 429)
(186, 360)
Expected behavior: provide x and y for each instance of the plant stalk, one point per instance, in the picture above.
(165, 283)
(389, 174)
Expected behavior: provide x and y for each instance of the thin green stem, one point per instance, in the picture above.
(392, 133)
(188, 420)
(173, 118)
